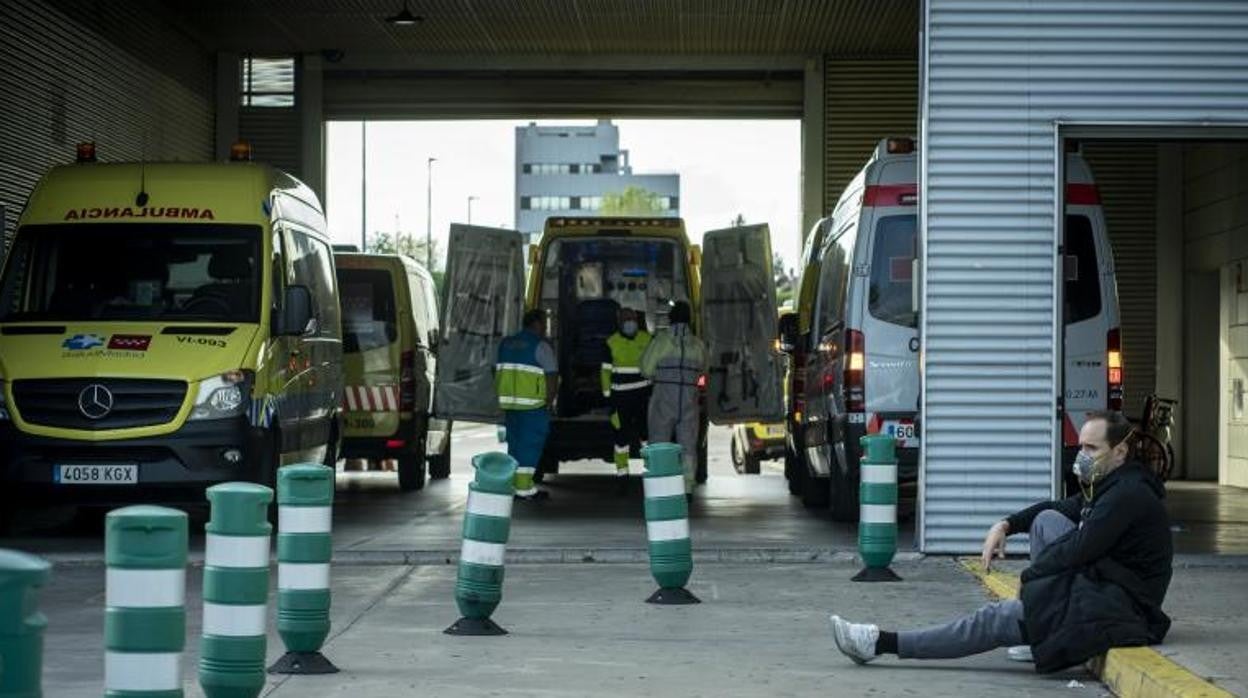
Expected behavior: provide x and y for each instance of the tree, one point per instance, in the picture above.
(739, 221)
(633, 201)
(382, 242)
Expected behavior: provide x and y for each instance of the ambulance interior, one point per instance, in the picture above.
(584, 284)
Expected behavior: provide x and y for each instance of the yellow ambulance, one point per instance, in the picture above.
(581, 271)
(164, 327)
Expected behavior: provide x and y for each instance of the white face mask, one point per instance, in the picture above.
(629, 327)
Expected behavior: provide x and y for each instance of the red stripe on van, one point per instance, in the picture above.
(1082, 195)
(1070, 436)
(890, 195)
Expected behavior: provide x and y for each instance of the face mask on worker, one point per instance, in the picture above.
(1086, 467)
(629, 327)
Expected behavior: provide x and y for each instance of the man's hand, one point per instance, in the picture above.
(994, 543)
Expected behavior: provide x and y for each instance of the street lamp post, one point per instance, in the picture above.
(429, 214)
(470, 200)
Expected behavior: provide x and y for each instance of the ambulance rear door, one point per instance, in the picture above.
(482, 302)
(739, 326)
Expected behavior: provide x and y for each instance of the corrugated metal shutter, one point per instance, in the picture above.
(999, 75)
(864, 102)
(274, 135)
(1126, 174)
(115, 73)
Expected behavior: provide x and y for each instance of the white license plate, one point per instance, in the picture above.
(902, 431)
(775, 432)
(97, 474)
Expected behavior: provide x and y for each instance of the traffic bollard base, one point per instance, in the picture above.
(673, 597)
(478, 627)
(876, 574)
(303, 663)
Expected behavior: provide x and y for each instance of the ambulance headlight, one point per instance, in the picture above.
(222, 396)
(4, 405)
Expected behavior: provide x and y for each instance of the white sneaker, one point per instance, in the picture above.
(855, 640)
(1020, 653)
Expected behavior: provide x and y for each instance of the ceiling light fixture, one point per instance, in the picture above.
(405, 18)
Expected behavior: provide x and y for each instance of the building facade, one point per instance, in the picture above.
(566, 171)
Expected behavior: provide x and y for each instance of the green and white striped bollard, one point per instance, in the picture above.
(667, 524)
(236, 591)
(487, 525)
(21, 624)
(305, 497)
(145, 600)
(877, 518)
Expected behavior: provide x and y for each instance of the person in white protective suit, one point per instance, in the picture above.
(673, 362)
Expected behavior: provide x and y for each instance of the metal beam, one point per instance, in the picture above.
(813, 204)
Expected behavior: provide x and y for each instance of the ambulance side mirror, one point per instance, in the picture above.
(1070, 267)
(296, 318)
(788, 333)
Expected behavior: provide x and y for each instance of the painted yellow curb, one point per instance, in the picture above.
(1129, 672)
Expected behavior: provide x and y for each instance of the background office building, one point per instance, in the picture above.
(566, 171)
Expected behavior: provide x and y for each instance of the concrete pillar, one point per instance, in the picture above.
(1170, 268)
(813, 204)
(310, 100)
(226, 103)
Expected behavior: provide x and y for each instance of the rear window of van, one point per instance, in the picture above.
(368, 313)
(893, 252)
(1083, 291)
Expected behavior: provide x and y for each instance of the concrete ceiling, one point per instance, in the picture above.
(498, 28)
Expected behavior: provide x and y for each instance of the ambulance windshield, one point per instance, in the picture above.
(133, 272)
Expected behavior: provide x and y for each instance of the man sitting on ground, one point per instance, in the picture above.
(1100, 568)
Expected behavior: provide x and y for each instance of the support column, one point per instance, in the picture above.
(310, 98)
(812, 144)
(226, 104)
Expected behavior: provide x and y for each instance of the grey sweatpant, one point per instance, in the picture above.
(992, 626)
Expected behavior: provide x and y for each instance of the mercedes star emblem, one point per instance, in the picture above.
(95, 401)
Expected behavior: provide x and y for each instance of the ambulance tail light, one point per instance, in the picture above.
(702, 382)
(899, 146)
(407, 382)
(1113, 363)
(86, 152)
(855, 371)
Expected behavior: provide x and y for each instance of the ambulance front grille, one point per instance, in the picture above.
(67, 403)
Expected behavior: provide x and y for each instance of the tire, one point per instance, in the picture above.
(412, 472)
(332, 448)
(700, 473)
(843, 500)
(549, 465)
(815, 492)
(440, 465)
(791, 466)
(753, 466)
(738, 457)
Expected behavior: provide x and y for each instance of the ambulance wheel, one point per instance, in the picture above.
(844, 498)
(411, 468)
(815, 492)
(440, 464)
(791, 465)
(699, 475)
(549, 465)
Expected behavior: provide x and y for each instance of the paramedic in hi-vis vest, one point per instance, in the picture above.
(626, 390)
(674, 361)
(527, 380)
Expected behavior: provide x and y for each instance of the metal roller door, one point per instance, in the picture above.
(864, 102)
(274, 135)
(1126, 175)
(116, 73)
(1000, 76)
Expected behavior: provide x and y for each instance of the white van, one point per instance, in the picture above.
(855, 342)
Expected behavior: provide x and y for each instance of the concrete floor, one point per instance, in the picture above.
(580, 630)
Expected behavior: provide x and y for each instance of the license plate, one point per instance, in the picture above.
(902, 431)
(97, 474)
(775, 432)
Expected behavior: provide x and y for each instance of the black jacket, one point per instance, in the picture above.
(1102, 584)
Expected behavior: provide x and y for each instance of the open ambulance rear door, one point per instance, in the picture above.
(739, 325)
(483, 302)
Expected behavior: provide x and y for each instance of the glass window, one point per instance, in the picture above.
(368, 313)
(267, 82)
(1083, 293)
(833, 282)
(127, 271)
(893, 251)
(312, 265)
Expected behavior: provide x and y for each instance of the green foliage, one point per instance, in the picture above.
(413, 246)
(633, 201)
